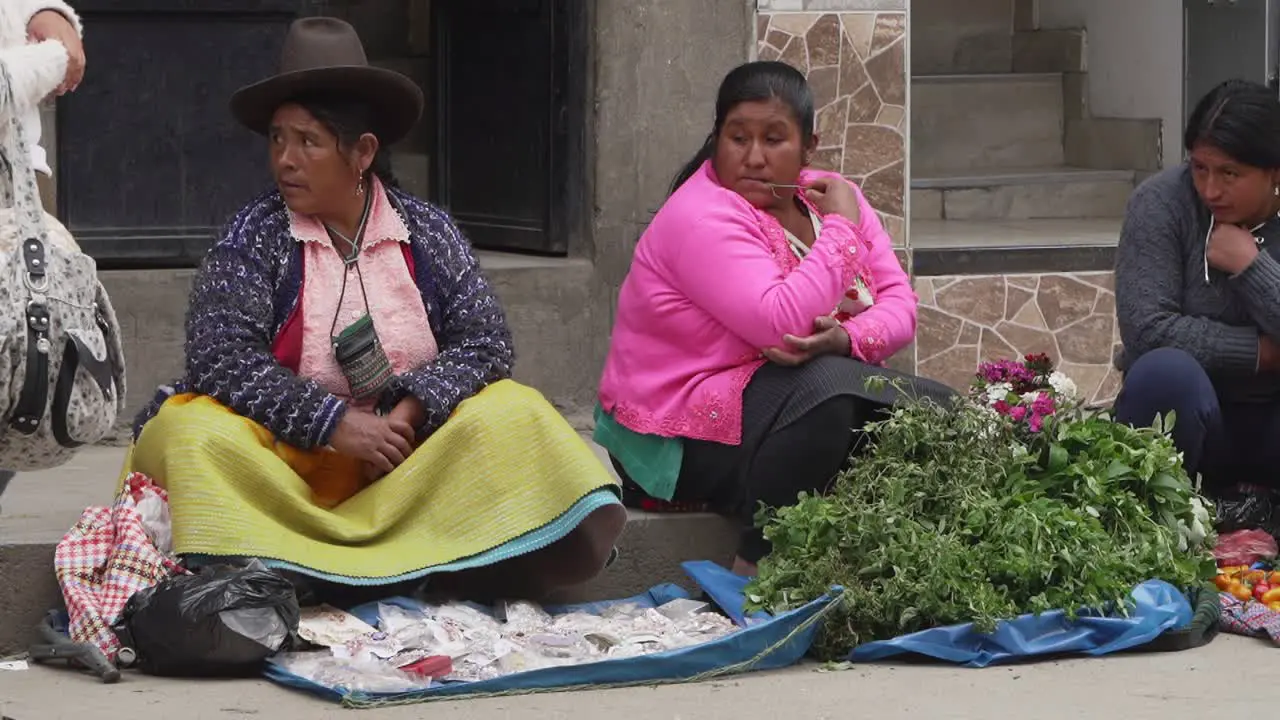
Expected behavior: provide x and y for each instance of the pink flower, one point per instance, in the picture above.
(1027, 374)
(1001, 407)
(1036, 423)
(1018, 412)
(1043, 405)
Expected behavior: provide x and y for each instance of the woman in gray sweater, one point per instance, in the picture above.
(1198, 291)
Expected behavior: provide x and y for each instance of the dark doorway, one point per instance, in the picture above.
(509, 116)
(149, 164)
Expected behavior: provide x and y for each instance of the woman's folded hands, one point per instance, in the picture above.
(382, 443)
(828, 338)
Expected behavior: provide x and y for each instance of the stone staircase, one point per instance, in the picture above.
(1017, 192)
(1001, 131)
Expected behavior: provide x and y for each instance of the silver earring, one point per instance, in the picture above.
(359, 188)
(1276, 191)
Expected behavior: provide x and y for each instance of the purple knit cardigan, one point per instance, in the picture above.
(250, 282)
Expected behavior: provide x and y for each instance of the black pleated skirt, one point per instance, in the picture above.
(779, 395)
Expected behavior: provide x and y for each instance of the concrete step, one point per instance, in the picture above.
(973, 122)
(1019, 194)
(981, 234)
(960, 35)
(1045, 50)
(39, 508)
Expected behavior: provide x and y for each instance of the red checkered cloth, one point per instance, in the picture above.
(1252, 619)
(106, 558)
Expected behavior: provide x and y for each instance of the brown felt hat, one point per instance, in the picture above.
(324, 55)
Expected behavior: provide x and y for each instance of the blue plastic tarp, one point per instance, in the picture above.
(1158, 607)
(764, 643)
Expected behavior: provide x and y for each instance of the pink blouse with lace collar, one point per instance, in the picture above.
(395, 302)
(714, 281)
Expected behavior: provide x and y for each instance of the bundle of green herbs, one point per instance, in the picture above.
(1010, 501)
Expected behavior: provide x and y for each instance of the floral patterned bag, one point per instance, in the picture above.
(61, 359)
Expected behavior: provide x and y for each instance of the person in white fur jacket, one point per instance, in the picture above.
(40, 41)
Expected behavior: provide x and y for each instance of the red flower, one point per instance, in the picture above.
(1039, 363)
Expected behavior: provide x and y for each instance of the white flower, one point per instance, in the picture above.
(1193, 534)
(997, 392)
(1064, 386)
(992, 425)
(1198, 510)
(1030, 398)
(1198, 533)
(1200, 522)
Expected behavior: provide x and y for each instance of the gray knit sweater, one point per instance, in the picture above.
(1162, 299)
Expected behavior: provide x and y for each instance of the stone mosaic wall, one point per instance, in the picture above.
(856, 65)
(967, 319)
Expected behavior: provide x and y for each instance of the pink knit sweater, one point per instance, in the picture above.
(714, 282)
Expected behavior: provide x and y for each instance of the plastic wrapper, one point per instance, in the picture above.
(1248, 507)
(154, 511)
(1245, 547)
(681, 609)
(375, 645)
(432, 666)
(524, 617)
(222, 621)
(330, 627)
(482, 647)
(323, 668)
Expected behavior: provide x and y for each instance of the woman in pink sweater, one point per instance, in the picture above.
(760, 299)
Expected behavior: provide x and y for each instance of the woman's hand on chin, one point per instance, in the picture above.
(828, 338)
(834, 196)
(1231, 249)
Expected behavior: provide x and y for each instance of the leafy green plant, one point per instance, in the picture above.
(956, 514)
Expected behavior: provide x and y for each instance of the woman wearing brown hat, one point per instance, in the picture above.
(347, 411)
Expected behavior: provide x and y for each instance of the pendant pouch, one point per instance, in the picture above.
(362, 359)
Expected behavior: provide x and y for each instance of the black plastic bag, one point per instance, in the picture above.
(222, 621)
(1248, 507)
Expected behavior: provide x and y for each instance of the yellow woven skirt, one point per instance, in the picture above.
(504, 476)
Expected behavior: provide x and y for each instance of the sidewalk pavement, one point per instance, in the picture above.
(1231, 677)
(41, 506)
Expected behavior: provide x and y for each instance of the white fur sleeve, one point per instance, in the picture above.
(36, 70)
(31, 7)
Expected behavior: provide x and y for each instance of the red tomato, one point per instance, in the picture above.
(1259, 590)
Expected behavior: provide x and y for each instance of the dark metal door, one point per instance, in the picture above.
(500, 158)
(1228, 39)
(150, 162)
